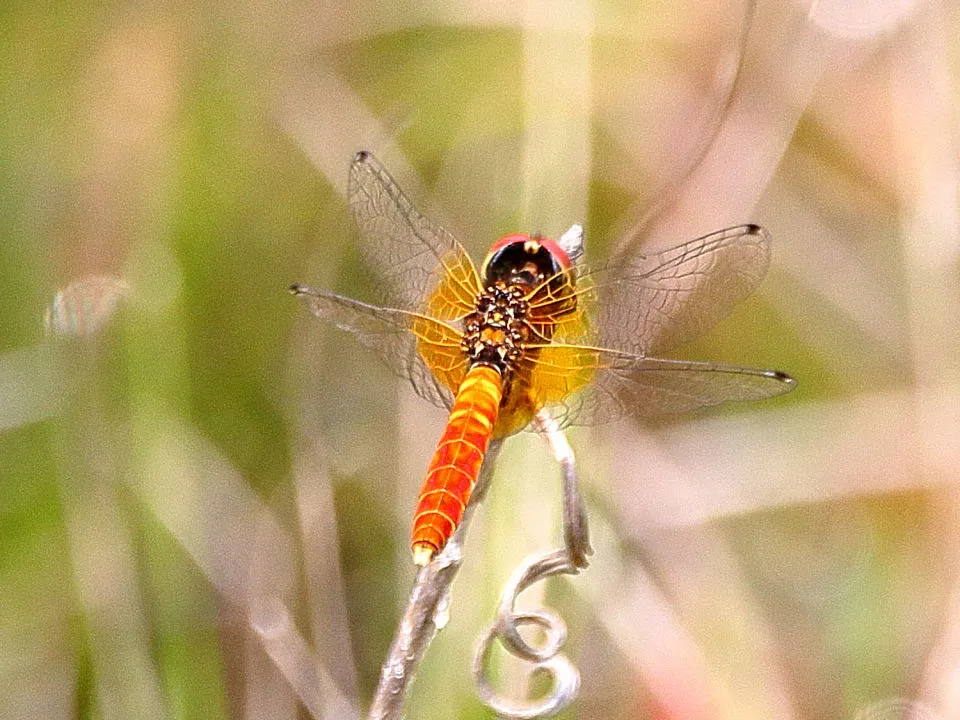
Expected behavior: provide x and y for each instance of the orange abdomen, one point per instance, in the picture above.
(456, 463)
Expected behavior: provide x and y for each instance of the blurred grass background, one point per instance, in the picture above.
(206, 495)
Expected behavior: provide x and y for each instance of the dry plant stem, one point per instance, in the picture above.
(576, 532)
(428, 600)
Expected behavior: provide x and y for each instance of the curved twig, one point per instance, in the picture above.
(568, 560)
(426, 611)
(576, 532)
(667, 195)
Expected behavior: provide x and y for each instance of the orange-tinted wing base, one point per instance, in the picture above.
(456, 463)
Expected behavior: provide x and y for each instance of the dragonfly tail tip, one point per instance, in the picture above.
(422, 554)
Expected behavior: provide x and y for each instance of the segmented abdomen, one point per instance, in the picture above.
(456, 463)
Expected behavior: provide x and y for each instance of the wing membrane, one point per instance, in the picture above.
(653, 303)
(590, 386)
(422, 266)
(415, 347)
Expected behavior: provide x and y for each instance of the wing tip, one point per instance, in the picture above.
(361, 156)
(789, 382)
(297, 289)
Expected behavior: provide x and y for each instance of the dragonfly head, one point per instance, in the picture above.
(525, 260)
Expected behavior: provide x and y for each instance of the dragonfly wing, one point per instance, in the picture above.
(422, 266)
(590, 386)
(400, 338)
(653, 303)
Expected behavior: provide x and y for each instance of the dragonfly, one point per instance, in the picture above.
(533, 335)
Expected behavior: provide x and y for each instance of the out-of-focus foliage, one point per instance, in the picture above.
(205, 495)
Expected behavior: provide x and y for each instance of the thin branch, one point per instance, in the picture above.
(576, 532)
(426, 611)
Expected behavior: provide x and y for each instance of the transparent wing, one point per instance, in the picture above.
(415, 347)
(650, 304)
(419, 263)
(582, 385)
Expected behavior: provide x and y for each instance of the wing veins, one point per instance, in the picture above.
(434, 240)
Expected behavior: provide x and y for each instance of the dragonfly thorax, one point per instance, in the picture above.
(494, 333)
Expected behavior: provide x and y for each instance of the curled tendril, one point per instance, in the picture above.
(568, 560)
(546, 657)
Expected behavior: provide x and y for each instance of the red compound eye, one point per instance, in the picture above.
(512, 252)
